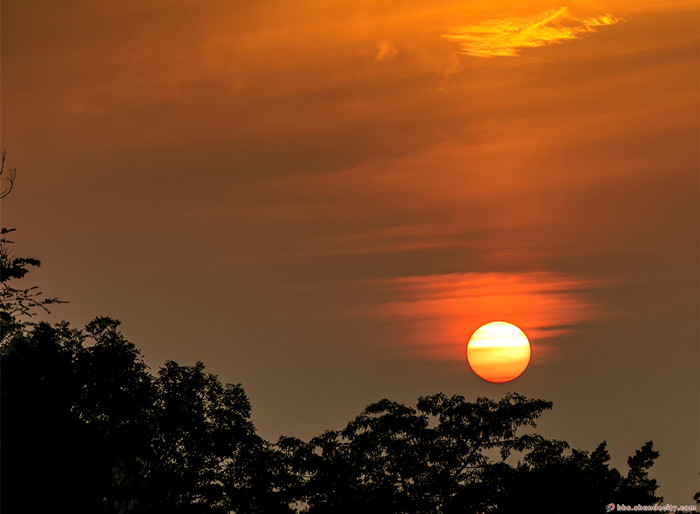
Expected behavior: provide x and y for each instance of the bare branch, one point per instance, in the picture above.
(12, 175)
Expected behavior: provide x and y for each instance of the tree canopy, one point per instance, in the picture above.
(85, 424)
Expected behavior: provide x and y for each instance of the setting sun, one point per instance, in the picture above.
(498, 351)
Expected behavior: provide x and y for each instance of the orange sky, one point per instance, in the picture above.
(321, 200)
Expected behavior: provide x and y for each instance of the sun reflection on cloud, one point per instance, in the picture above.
(434, 315)
(507, 36)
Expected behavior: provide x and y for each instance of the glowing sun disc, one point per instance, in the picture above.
(498, 351)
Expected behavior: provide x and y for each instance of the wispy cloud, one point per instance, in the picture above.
(386, 51)
(434, 315)
(507, 36)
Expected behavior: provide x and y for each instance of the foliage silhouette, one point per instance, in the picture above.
(449, 455)
(85, 423)
(83, 417)
(16, 302)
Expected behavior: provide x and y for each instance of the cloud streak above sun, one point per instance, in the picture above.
(506, 37)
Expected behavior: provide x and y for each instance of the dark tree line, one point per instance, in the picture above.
(87, 428)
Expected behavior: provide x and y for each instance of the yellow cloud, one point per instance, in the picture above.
(506, 37)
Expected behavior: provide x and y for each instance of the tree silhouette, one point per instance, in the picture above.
(85, 422)
(448, 455)
(550, 479)
(87, 425)
(46, 446)
(6, 174)
(16, 302)
(87, 428)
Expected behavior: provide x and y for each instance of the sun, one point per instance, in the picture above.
(498, 351)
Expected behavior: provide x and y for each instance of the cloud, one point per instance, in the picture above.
(507, 36)
(386, 51)
(433, 315)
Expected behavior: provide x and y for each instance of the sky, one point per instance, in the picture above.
(323, 200)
